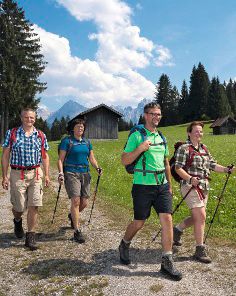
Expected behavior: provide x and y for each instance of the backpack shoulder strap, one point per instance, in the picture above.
(204, 148)
(13, 136)
(69, 148)
(143, 133)
(163, 138)
(41, 136)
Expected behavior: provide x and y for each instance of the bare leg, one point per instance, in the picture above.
(167, 231)
(75, 203)
(199, 217)
(32, 217)
(133, 228)
(83, 204)
(17, 215)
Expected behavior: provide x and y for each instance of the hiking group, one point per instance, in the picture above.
(145, 156)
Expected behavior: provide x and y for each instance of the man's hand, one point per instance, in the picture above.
(46, 181)
(144, 146)
(5, 183)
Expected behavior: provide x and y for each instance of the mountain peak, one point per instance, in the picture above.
(70, 108)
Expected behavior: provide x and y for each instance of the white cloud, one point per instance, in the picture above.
(112, 78)
(164, 57)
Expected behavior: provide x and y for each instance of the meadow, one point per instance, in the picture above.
(115, 184)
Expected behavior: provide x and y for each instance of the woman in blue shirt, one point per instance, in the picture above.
(75, 153)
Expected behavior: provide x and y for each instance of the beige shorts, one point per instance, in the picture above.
(77, 184)
(193, 199)
(28, 192)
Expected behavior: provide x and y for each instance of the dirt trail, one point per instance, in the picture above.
(62, 267)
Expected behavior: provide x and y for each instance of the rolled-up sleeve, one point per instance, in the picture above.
(212, 162)
(6, 142)
(181, 157)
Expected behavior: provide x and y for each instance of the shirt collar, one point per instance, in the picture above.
(152, 133)
(21, 130)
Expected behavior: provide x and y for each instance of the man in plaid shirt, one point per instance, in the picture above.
(193, 164)
(25, 149)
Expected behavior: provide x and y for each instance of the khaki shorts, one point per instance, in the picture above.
(193, 199)
(28, 192)
(77, 184)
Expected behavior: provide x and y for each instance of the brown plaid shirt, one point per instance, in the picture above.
(200, 166)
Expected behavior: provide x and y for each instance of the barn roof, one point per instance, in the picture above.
(99, 106)
(220, 121)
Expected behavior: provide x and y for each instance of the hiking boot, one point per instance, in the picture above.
(78, 237)
(124, 252)
(167, 267)
(71, 221)
(201, 254)
(30, 241)
(177, 236)
(18, 229)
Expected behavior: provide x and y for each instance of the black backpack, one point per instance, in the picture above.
(192, 153)
(140, 127)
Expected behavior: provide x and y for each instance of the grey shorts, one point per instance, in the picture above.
(77, 184)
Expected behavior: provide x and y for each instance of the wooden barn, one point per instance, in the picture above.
(101, 122)
(225, 125)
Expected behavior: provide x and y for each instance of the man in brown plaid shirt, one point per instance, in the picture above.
(193, 165)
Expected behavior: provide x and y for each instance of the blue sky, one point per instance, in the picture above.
(113, 52)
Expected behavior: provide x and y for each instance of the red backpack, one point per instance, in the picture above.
(40, 135)
(192, 153)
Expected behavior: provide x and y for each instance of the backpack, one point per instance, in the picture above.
(40, 135)
(130, 168)
(192, 153)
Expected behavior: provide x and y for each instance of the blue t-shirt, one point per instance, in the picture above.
(77, 159)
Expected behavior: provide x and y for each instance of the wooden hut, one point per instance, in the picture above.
(101, 122)
(225, 125)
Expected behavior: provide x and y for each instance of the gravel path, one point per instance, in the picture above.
(62, 267)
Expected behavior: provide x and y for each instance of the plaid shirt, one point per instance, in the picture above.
(200, 166)
(26, 151)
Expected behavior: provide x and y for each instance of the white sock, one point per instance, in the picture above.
(168, 253)
(126, 242)
(179, 228)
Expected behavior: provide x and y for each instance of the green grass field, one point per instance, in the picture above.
(115, 185)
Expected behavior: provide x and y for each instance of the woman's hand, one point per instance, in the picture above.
(194, 181)
(61, 178)
(99, 171)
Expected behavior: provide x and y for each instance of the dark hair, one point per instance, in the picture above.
(151, 105)
(73, 123)
(194, 123)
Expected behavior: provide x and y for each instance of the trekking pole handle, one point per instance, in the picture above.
(230, 167)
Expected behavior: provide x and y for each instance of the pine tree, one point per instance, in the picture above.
(198, 94)
(167, 97)
(218, 105)
(141, 119)
(56, 130)
(231, 96)
(63, 125)
(182, 106)
(43, 126)
(21, 64)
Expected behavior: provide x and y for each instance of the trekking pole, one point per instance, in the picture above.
(219, 200)
(94, 197)
(58, 194)
(176, 208)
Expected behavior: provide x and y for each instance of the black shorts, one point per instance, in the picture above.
(146, 196)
